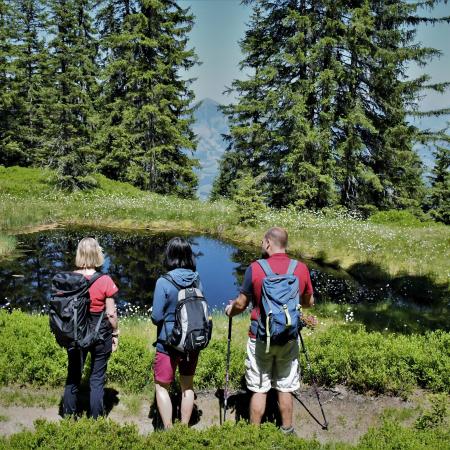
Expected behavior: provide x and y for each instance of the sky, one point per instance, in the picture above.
(220, 24)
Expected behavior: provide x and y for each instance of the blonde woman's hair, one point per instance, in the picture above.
(89, 254)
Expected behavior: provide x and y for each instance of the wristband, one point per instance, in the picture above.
(115, 333)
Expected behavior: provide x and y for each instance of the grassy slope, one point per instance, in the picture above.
(28, 198)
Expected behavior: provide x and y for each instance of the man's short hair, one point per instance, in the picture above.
(278, 236)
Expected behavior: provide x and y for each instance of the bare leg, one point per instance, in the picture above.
(257, 407)
(164, 403)
(187, 397)
(286, 406)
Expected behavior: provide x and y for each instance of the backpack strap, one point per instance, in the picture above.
(95, 276)
(91, 281)
(292, 266)
(265, 266)
(97, 327)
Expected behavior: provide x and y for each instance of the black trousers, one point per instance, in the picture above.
(100, 354)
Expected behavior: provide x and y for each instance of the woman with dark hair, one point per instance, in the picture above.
(180, 263)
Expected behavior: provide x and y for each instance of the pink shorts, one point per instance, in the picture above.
(165, 366)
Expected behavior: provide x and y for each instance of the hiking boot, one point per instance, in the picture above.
(290, 430)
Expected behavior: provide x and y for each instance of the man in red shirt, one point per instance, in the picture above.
(279, 367)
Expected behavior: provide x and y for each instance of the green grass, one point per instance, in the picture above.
(108, 435)
(133, 404)
(341, 353)
(7, 244)
(413, 252)
(385, 316)
(16, 396)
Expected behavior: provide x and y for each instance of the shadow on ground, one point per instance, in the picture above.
(110, 400)
(175, 396)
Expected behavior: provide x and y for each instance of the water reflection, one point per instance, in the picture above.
(133, 259)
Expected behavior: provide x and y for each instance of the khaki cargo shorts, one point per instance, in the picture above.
(277, 369)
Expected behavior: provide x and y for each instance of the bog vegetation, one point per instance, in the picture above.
(388, 245)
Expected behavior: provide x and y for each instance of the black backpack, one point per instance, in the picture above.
(69, 310)
(193, 325)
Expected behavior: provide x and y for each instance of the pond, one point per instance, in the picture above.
(134, 260)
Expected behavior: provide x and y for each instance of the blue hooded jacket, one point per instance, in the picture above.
(165, 300)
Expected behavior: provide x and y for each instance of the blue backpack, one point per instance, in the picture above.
(280, 315)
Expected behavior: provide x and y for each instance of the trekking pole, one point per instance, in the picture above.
(324, 425)
(227, 370)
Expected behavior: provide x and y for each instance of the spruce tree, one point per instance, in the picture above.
(248, 198)
(70, 114)
(10, 153)
(29, 82)
(438, 199)
(334, 100)
(146, 130)
(292, 133)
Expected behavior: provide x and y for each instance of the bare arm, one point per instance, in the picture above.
(237, 306)
(307, 300)
(111, 313)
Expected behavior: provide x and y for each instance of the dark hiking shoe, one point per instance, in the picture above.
(290, 431)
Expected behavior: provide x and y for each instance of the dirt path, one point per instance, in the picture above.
(349, 414)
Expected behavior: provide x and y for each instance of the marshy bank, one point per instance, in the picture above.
(407, 253)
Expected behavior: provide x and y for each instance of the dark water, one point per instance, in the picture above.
(134, 260)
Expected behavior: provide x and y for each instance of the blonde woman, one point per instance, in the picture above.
(90, 256)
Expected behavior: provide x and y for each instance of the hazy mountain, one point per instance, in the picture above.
(209, 126)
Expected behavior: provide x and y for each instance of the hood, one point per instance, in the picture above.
(183, 277)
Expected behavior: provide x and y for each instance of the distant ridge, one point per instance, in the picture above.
(209, 126)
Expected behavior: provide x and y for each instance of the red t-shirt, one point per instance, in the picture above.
(279, 263)
(102, 288)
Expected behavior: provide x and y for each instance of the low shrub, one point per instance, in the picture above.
(30, 355)
(436, 416)
(212, 364)
(346, 354)
(391, 435)
(108, 435)
(380, 362)
(399, 218)
(131, 366)
(29, 351)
